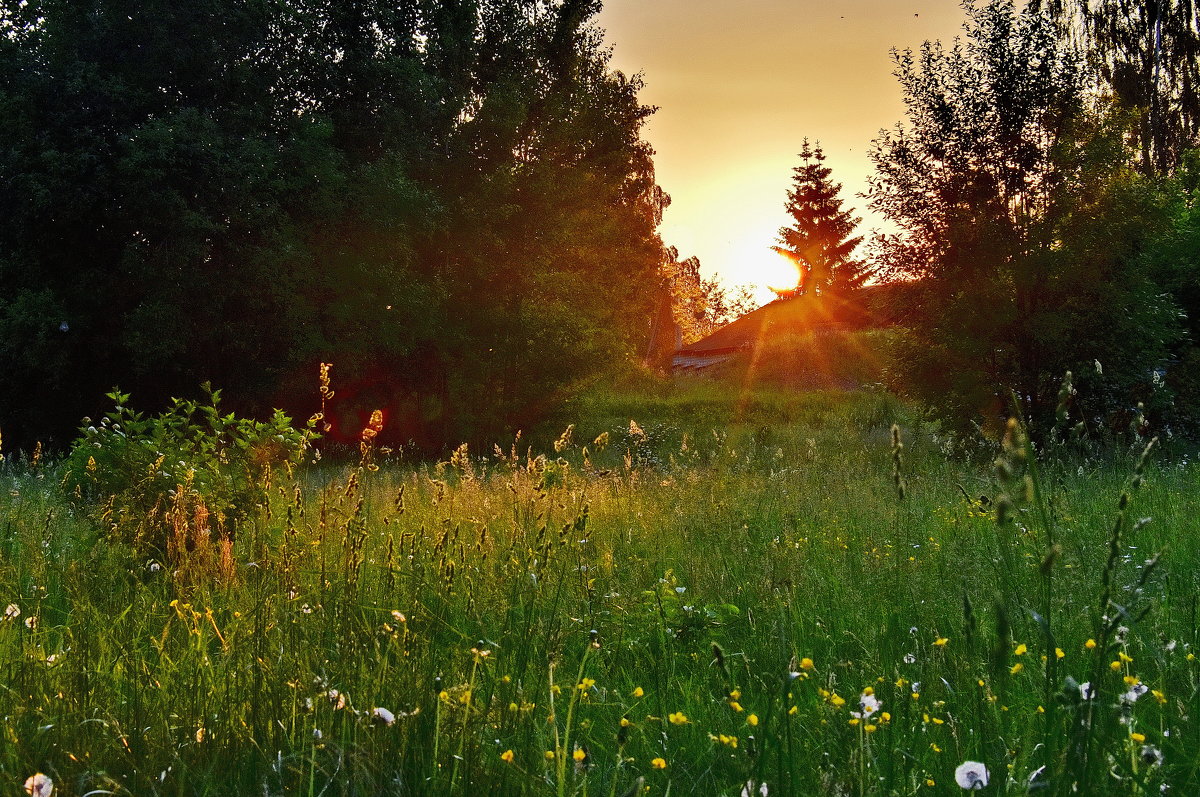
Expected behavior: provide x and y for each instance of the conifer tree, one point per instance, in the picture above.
(820, 241)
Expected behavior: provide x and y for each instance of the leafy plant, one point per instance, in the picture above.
(146, 475)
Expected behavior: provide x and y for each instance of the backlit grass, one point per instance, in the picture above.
(728, 594)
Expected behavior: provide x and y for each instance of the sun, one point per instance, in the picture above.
(764, 270)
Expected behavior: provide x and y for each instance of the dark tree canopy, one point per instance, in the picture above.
(449, 200)
(1022, 223)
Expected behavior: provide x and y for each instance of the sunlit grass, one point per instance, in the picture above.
(698, 606)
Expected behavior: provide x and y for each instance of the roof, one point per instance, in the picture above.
(807, 313)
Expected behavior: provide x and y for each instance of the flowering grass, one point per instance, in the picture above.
(732, 596)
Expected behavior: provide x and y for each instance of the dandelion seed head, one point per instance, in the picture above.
(971, 775)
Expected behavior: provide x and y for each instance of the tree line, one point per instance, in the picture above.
(450, 200)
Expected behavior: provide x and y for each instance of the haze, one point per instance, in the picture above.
(739, 85)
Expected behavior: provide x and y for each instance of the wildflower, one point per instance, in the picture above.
(1021, 649)
(1125, 657)
(399, 617)
(678, 718)
(12, 611)
(736, 706)
(658, 763)
(870, 728)
(39, 785)
(1159, 696)
(1115, 666)
(940, 642)
(1016, 668)
(971, 775)
(1090, 644)
(1058, 653)
(381, 716)
(549, 755)
(806, 663)
(638, 692)
(585, 684)
(1137, 737)
(910, 658)
(837, 699)
(930, 782)
(867, 703)
(1086, 691)
(31, 622)
(507, 756)
(579, 755)
(752, 719)
(751, 789)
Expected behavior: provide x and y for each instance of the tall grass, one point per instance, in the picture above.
(699, 605)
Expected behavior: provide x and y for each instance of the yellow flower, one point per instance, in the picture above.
(752, 719)
(1090, 644)
(938, 721)
(585, 684)
(870, 728)
(930, 782)
(1115, 666)
(658, 763)
(639, 692)
(1125, 658)
(837, 699)
(806, 663)
(1016, 668)
(853, 721)
(1132, 680)
(736, 706)
(935, 748)
(549, 755)
(1159, 696)
(1138, 737)
(941, 641)
(792, 711)
(507, 756)
(736, 694)
(1020, 651)
(1058, 653)
(885, 717)
(579, 755)
(678, 718)
(625, 723)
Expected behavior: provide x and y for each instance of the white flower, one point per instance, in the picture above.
(1151, 755)
(39, 785)
(381, 716)
(910, 658)
(1086, 691)
(749, 789)
(336, 699)
(869, 705)
(1135, 691)
(971, 775)
(12, 611)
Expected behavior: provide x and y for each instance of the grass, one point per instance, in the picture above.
(695, 609)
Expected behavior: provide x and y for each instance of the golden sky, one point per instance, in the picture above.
(739, 84)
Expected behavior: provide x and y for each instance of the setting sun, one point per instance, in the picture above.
(765, 271)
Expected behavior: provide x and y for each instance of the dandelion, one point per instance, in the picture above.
(1090, 644)
(507, 756)
(752, 719)
(806, 663)
(971, 775)
(1151, 755)
(638, 692)
(579, 755)
(39, 785)
(678, 718)
(658, 763)
(1137, 737)
(381, 716)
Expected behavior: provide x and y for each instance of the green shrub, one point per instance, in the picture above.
(188, 471)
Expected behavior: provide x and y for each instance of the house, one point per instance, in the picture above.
(799, 315)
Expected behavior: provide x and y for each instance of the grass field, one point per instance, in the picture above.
(732, 595)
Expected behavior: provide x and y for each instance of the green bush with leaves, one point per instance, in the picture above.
(190, 465)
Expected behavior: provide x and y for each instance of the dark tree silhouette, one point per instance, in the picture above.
(821, 240)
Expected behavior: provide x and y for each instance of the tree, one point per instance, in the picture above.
(1147, 54)
(449, 200)
(820, 241)
(1020, 222)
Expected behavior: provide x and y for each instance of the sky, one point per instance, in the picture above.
(739, 84)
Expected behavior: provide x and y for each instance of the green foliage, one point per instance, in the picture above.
(1025, 227)
(139, 473)
(449, 201)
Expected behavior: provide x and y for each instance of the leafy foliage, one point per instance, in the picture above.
(190, 464)
(1023, 225)
(450, 201)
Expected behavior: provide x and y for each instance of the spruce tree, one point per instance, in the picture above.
(820, 241)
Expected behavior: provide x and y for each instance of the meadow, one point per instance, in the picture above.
(688, 591)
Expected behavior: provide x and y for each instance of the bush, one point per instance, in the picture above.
(166, 483)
